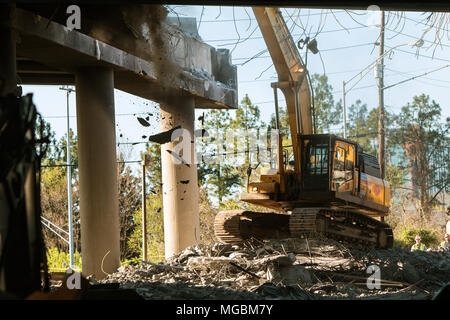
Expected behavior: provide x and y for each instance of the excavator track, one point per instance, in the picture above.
(236, 226)
(349, 227)
(344, 226)
(226, 226)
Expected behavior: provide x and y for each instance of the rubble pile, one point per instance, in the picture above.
(288, 269)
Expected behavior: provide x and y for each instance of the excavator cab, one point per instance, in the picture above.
(329, 163)
(316, 163)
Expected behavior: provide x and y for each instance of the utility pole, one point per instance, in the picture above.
(344, 109)
(381, 135)
(69, 179)
(145, 163)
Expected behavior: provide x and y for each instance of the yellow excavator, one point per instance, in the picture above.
(333, 188)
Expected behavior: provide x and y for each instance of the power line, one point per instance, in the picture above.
(254, 19)
(414, 37)
(412, 78)
(293, 35)
(408, 73)
(117, 115)
(420, 22)
(275, 78)
(74, 165)
(322, 50)
(334, 92)
(420, 55)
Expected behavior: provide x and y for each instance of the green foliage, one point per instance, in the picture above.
(215, 170)
(56, 259)
(54, 204)
(247, 115)
(155, 230)
(423, 139)
(129, 203)
(326, 112)
(54, 194)
(429, 237)
(154, 178)
(207, 213)
(362, 126)
(131, 262)
(395, 175)
(284, 120)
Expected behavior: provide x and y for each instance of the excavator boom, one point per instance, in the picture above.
(290, 69)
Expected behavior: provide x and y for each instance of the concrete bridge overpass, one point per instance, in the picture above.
(134, 49)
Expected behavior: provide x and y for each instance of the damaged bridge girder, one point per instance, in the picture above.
(57, 53)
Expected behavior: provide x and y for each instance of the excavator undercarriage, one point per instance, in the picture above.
(237, 226)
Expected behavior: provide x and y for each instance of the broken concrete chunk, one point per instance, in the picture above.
(410, 273)
(143, 122)
(163, 137)
(295, 274)
(207, 262)
(280, 260)
(235, 255)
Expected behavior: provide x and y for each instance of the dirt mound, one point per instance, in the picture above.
(289, 269)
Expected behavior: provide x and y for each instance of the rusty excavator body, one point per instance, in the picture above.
(333, 187)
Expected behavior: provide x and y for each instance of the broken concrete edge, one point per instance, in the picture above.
(208, 93)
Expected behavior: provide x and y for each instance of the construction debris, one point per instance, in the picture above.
(288, 269)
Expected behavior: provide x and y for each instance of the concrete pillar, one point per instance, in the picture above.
(180, 187)
(99, 206)
(8, 77)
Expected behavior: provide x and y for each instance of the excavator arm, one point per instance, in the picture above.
(292, 79)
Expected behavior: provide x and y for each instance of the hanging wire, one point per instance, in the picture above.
(237, 32)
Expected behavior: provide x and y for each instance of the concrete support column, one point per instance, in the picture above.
(99, 206)
(180, 187)
(8, 74)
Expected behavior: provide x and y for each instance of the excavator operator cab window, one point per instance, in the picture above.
(339, 159)
(317, 159)
(343, 165)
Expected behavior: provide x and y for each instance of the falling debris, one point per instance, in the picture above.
(143, 122)
(201, 133)
(176, 156)
(201, 118)
(163, 137)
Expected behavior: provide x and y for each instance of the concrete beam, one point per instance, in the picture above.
(180, 187)
(99, 206)
(8, 76)
(53, 45)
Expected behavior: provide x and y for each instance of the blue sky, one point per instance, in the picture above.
(346, 47)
